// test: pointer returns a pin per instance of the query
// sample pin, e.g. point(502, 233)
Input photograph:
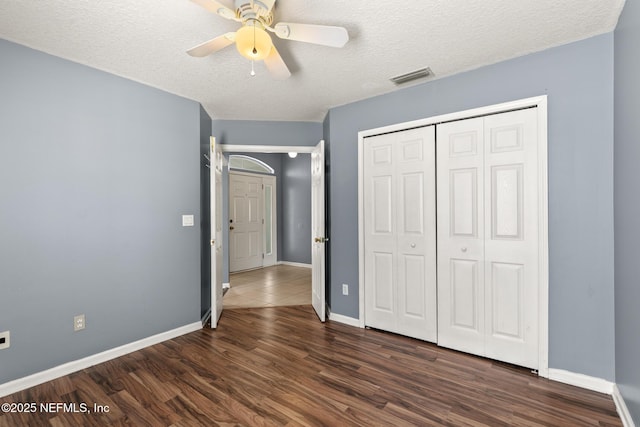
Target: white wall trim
point(580, 380)
point(86, 362)
point(621, 407)
point(229, 148)
point(351, 321)
point(295, 264)
point(543, 244)
point(458, 115)
point(543, 239)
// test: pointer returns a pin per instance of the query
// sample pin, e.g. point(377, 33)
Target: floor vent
point(413, 75)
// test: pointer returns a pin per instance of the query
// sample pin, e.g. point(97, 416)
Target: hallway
point(279, 285)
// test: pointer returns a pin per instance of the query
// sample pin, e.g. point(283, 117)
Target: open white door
point(318, 231)
point(215, 164)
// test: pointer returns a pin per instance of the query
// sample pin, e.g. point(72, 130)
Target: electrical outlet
point(345, 289)
point(78, 322)
point(5, 341)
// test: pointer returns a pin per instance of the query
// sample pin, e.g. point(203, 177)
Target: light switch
point(5, 341)
point(187, 221)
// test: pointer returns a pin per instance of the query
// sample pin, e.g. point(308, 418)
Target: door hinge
point(263, 256)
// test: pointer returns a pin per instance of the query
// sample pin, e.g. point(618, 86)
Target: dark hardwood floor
point(281, 366)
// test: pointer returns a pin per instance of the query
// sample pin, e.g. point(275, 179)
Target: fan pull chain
point(253, 73)
point(255, 52)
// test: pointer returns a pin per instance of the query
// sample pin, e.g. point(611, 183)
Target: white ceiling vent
point(413, 75)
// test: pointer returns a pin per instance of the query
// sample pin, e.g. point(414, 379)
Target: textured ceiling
point(146, 40)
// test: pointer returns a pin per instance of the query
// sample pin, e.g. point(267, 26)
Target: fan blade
point(276, 65)
point(213, 45)
point(317, 34)
point(217, 7)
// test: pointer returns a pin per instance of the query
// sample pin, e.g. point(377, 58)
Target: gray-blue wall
point(627, 206)
point(253, 132)
point(95, 173)
point(296, 209)
point(578, 78)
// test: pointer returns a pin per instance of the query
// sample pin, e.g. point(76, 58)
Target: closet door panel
point(416, 237)
point(380, 229)
point(463, 202)
point(383, 293)
point(464, 301)
point(511, 248)
point(460, 243)
point(400, 235)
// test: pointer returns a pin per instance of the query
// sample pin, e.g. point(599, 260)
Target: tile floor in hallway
point(274, 286)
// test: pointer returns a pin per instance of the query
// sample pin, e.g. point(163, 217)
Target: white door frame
point(277, 149)
point(543, 241)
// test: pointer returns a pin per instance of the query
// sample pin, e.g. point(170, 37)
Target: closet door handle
point(464, 249)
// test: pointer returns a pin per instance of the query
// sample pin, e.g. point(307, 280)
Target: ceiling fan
point(252, 39)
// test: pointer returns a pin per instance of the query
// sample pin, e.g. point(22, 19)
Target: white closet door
point(511, 241)
point(460, 152)
point(380, 233)
point(488, 236)
point(400, 266)
point(245, 222)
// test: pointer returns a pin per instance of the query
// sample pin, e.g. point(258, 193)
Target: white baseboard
point(344, 319)
point(294, 264)
point(621, 407)
point(86, 362)
point(583, 381)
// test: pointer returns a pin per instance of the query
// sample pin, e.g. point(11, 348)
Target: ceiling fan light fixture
point(253, 42)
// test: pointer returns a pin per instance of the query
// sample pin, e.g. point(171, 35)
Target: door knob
point(413, 245)
point(464, 249)
point(231, 227)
